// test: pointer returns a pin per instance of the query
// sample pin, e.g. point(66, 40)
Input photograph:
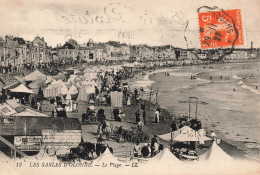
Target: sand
point(234, 114)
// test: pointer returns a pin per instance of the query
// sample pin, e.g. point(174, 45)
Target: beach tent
point(185, 134)
point(164, 157)
point(215, 154)
point(60, 76)
point(90, 89)
point(64, 90)
point(116, 99)
point(82, 96)
point(22, 89)
point(68, 96)
point(107, 158)
point(36, 75)
point(73, 90)
point(52, 91)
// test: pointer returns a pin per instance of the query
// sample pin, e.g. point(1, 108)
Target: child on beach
point(137, 116)
point(157, 115)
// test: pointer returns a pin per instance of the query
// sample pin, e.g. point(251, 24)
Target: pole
point(11, 152)
point(14, 155)
point(157, 95)
point(189, 108)
point(150, 94)
point(196, 109)
point(171, 136)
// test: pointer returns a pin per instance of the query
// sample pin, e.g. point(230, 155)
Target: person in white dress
point(157, 114)
point(129, 100)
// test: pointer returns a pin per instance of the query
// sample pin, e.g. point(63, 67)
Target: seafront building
point(16, 53)
point(24, 130)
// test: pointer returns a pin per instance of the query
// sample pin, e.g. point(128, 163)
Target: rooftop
point(34, 125)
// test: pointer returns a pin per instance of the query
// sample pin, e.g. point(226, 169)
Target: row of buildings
point(15, 52)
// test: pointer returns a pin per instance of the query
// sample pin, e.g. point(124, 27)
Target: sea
point(228, 99)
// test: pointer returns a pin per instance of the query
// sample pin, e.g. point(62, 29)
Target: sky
point(160, 22)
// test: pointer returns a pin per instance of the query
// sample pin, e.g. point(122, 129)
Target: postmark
point(221, 28)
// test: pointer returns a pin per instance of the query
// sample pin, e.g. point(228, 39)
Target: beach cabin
point(25, 130)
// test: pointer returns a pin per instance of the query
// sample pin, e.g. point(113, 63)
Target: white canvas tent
point(185, 134)
point(165, 156)
point(215, 154)
point(106, 157)
point(73, 90)
point(64, 90)
point(82, 95)
point(22, 89)
point(68, 96)
point(35, 76)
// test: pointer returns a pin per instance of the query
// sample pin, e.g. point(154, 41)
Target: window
point(66, 47)
point(62, 53)
point(91, 56)
point(70, 52)
point(66, 53)
point(84, 52)
point(6, 119)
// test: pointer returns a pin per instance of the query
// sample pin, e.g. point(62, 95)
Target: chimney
point(252, 45)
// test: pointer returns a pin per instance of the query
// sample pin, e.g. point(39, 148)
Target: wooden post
point(150, 94)
point(14, 155)
point(156, 96)
point(196, 109)
point(171, 136)
point(189, 109)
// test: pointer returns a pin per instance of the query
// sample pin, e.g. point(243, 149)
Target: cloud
point(135, 21)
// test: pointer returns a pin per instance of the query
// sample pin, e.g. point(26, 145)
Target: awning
point(185, 134)
point(22, 89)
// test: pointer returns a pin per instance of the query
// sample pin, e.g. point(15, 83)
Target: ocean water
point(233, 106)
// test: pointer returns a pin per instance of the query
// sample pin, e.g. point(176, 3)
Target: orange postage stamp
point(220, 29)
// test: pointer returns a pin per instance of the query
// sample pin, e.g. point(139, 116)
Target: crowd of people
point(147, 149)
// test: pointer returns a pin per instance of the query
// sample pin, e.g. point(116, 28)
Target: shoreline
point(229, 144)
point(151, 128)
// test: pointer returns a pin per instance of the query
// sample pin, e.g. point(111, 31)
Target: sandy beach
point(233, 115)
point(233, 100)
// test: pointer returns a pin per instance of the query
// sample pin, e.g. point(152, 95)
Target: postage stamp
point(220, 29)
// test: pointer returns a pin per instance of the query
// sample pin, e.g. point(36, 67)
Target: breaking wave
point(251, 89)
